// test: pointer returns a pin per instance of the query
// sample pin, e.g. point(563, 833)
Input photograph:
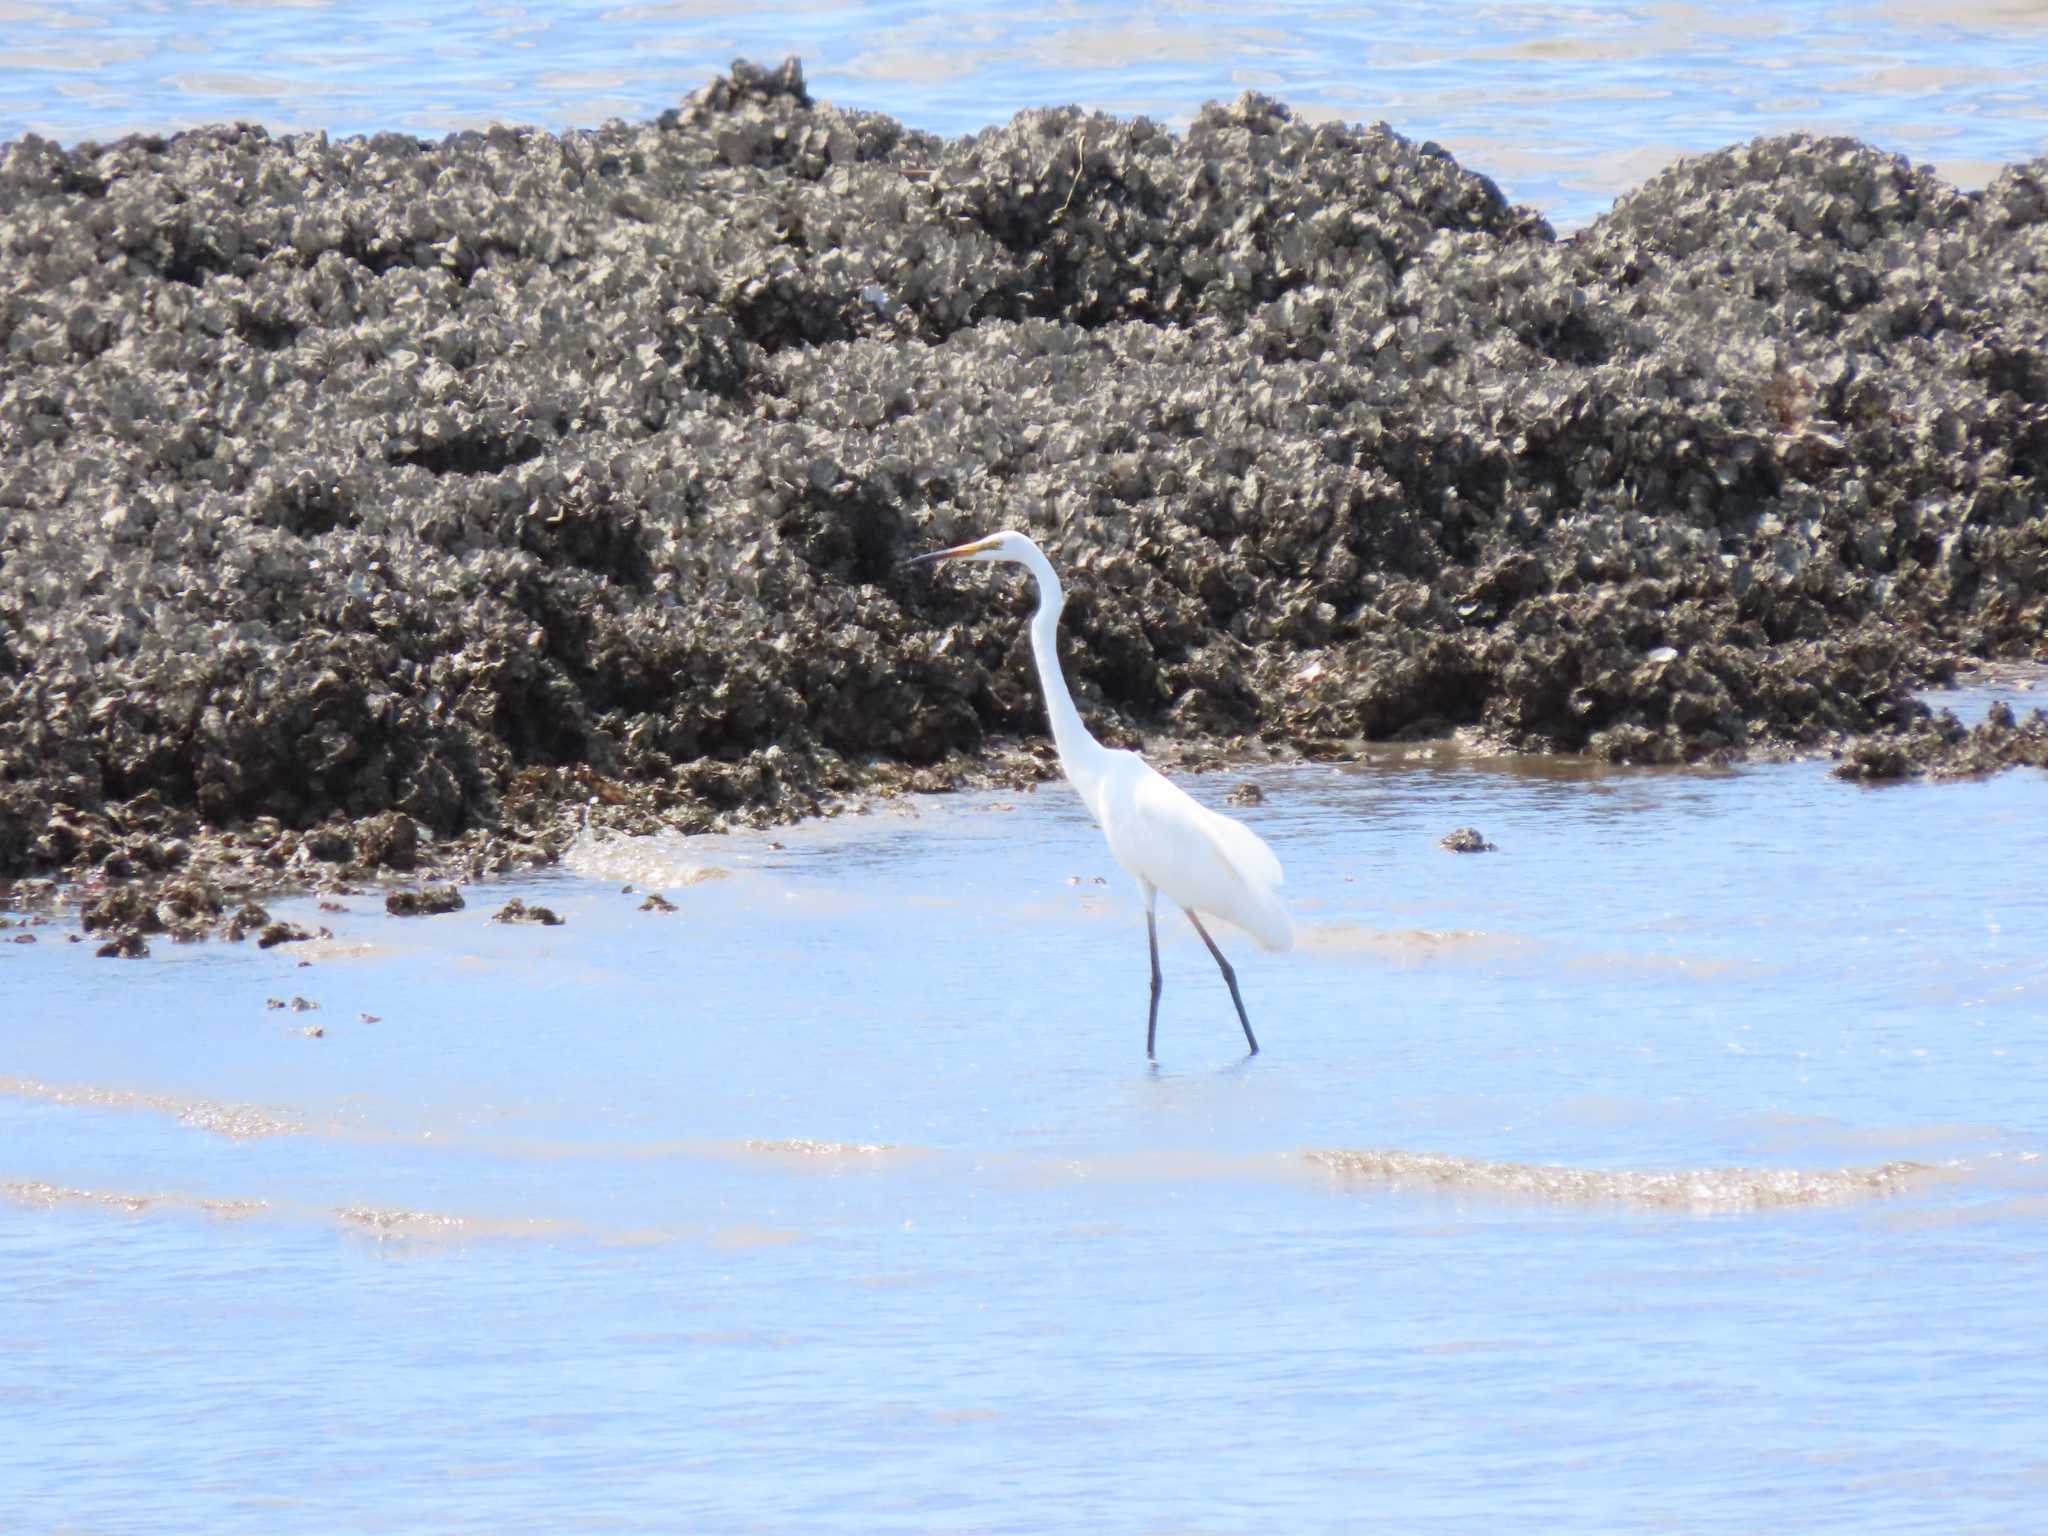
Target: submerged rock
point(1940, 747)
point(1466, 840)
point(426, 901)
point(251, 919)
point(517, 911)
point(353, 489)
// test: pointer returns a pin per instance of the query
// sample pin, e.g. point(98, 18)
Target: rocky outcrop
point(356, 490)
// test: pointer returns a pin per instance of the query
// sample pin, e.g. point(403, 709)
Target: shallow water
point(1566, 106)
point(1676, 1166)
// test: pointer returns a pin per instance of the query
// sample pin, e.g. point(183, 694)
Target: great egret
point(1202, 861)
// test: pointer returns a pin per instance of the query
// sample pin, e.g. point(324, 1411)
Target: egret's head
point(996, 548)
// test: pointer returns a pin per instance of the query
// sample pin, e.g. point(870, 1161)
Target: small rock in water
point(281, 933)
point(517, 911)
point(23, 938)
point(303, 1005)
point(371, 1018)
point(273, 1002)
point(1467, 840)
point(313, 1032)
point(1246, 793)
point(656, 902)
point(127, 945)
point(426, 901)
point(247, 921)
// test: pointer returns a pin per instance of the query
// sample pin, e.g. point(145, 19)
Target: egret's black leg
point(1230, 980)
point(1152, 1025)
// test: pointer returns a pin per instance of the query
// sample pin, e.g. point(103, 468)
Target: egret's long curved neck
point(1080, 752)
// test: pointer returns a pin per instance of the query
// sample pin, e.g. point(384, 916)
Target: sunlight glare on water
point(1676, 1164)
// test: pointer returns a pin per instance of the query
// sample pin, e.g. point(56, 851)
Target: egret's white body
point(1204, 862)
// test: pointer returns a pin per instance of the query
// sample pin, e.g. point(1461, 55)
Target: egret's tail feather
point(1269, 925)
point(1280, 939)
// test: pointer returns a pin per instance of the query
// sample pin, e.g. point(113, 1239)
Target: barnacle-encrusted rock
point(352, 488)
point(1942, 747)
point(425, 901)
point(517, 911)
point(1466, 840)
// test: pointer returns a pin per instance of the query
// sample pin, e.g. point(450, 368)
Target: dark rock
point(124, 945)
point(281, 933)
point(1466, 840)
point(323, 519)
point(332, 845)
point(425, 901)
point(1246, 793)
point(1940, 747)
point(517, 911)
point(390, 841)
point(188, 909)
point(249, 920)
point(124, 907)
point(656, 902)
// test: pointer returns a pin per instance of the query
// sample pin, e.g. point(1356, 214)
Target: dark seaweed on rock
point(447, 484)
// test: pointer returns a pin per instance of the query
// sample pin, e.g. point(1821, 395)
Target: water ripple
point(1688, 1189)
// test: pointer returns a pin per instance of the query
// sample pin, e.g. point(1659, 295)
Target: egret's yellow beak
point(951, 554)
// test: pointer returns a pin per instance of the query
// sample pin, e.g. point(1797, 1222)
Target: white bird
point(1205, 862)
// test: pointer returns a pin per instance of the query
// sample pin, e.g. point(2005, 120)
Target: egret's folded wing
point(1246, 849)
point(1172, 813)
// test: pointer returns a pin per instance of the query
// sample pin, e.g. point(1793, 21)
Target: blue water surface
point(843, 1198)
point(1566, 106)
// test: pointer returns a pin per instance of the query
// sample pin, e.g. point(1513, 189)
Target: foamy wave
point(35, 1192)
point(1692, 1189)
point(803, 1153)
point(380, 1222)
point(384, 1222)
point(664, 861)
point(237, 1122)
